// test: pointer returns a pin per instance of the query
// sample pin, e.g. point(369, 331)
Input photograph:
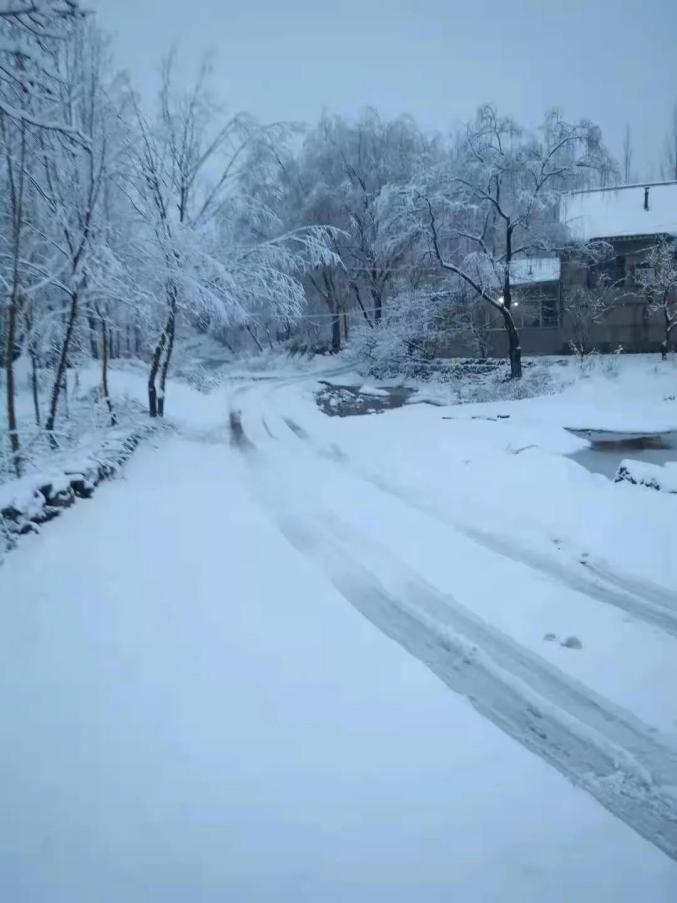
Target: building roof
point(648, 208)
point(530, 270)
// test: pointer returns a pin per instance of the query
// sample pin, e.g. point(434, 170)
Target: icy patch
point(366, 389)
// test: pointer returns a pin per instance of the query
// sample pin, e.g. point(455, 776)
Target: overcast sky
point(613, 61)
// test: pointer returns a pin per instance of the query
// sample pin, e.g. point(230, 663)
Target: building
point(629, 219)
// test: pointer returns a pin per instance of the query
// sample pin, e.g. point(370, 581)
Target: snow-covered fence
point(35, 499)
point(653, 476)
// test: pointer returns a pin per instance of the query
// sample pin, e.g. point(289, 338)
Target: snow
point(193, 708)
point(226, 730)
point(618, 212)
point(620, 393)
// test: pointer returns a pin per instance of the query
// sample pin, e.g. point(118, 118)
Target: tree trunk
point(253, 335)
point(93, 344)
point(34, 384)
point(345, 326)
point(171, 331)
point(358, 298)
point(378, 305)
point(227, 344)
point(61, 369)
point(64, 388)
point(665, 344)
point(10, 340)
point(336, 331)
point(514, 349)
point(154, 367)
point(16, 194)
point(104, 373)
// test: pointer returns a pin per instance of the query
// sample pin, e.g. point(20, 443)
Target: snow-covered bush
point(412, 330)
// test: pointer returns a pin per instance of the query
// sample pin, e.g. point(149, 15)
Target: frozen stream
point(608, 449)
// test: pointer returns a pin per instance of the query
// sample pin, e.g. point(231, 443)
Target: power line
point(291, 318)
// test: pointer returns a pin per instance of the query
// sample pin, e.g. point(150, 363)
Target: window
point(536, 307)
point(609, 272)
point(550, 312)
point(642, 273)
point(540, 307)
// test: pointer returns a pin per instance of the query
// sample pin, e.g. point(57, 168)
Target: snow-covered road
point(194, 706)
point(330, 513)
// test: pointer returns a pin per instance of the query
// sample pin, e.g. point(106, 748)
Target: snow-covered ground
point(335, 658)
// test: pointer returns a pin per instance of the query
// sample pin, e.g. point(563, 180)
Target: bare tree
point(658, 278)
point(24, 11)
point(32, 36)
point(206, 255)
point(585, 307)
point(173, 194)
point(16, 182)
point(74, 173)
point(352, 175)
point(498, 201)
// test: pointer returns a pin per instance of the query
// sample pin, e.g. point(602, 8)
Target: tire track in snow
point(238, 437)
point(651, 604)
point(641, 598)
point(297, 430)
point(658, 614)
point(599, 746)
point(649, 591)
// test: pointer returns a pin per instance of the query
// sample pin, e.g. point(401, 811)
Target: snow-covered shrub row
point(30, 501)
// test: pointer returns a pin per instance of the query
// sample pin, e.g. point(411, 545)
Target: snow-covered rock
point(654, 476)
point(39, 497)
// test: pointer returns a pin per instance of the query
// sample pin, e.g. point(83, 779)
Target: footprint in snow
point(571, 642)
